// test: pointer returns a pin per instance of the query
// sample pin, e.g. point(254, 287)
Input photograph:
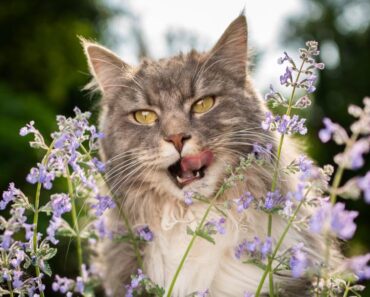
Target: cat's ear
point(106, 67)
point(231, 49)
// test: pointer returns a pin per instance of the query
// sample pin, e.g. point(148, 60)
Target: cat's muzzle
point(190, 168)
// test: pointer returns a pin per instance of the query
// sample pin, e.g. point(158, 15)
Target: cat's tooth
point(179, 179)
point(198, 174)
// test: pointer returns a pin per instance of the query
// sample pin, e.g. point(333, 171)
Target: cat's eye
point(203, 105)
point(145, 117)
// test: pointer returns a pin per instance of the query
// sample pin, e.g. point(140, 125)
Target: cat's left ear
point(231, 49)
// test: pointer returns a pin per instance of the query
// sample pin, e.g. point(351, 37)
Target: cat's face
point(174, 124)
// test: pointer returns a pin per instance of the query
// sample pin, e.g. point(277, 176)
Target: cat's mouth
point(190, 168)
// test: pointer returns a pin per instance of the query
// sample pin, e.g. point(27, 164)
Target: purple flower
point(145, 233)
point(285, 124)
point(17, 282)
point(219, 225)
point(255, 248)
point(335, 219)
point(80, 286)
point(62, 284)
point(298, 261)
point(332, 130)
point(358, 265)
point(355, 154)
point(41, 175)
point(310, 83)
point(60, 203)
point(19, 258)
point(304, 163)
point(271, 94)
point(364, 185)
point(9, 196)
point(6, 240)
point(274, 200)
point(29, 128)
point(98, 164)
point(136, 280)
point(244, 201)
point(104, 203)
point(266, 124)
point(287, 76)
point(247, 294)
point(188, 197)
point(55, 222)
point(262, 152)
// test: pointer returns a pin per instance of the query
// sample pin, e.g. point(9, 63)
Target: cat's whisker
point(128, 152)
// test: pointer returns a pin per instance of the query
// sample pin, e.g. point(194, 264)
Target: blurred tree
point(343, 30)
point(40, 69)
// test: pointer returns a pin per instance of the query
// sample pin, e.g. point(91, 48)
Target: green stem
point(10, 288)
point(191, 243)
point(346, 291)
point(36, 213)
point(75, 221)
point(125, 219)
point(279, 243)
point(276, 170)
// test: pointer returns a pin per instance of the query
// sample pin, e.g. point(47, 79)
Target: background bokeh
point(42, 66)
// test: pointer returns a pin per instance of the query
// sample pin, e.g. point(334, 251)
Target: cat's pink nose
point(178, 140)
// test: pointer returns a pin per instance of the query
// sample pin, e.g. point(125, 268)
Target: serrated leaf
point(205, 235)
point(50, 253)
point(66, 230)
point(256, 262)
point(189, 231)
point(46, 268)
point(46, 208)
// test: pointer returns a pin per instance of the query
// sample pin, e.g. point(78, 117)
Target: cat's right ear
point(106, 67)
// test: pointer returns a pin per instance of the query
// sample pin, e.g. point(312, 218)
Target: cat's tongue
point(190, 164)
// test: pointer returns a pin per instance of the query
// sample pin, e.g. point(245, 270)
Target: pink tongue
point(195, 162)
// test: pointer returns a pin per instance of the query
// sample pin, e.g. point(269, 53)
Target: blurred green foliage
point(343, 30)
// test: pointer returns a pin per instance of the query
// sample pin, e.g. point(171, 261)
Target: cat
point(172, 126)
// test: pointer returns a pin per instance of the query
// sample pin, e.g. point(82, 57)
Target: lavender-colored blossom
point(55, 222)
point(356, 152)
point(188, 197)
point(244, 201)
point(303, 102)
point(358, 265)
point(310, 81)
point(285, 124)
point(287, 76)
point(274, 200)
point(272, 94)
point(62, 284)
point(254, 248)
point(9, 196)
point(17, 282)
point(335, 219)
point(40, 174)
point(60, 204)
point(98, 164)
point(104, 203)
point(304, 163)
point(29, 128)
point(298, 262)
point(332, 130)
point(135, 283)
point(262, 152)
point(145, 233)
point(19, 258)
point(80, 285)
point(364, 185)
point(247, 294)
point(219, 225)
point(7, 239)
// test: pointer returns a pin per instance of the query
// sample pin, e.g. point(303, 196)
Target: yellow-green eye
point(145, 117)
point(203, 105)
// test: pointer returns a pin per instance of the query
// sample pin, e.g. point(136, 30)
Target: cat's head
point(174, 124)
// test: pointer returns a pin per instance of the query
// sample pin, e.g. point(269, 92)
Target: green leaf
point(50, 253)
point(257, 263)
point(205, 235)
point(46, 208)
point(46, 268)
point(66, 230)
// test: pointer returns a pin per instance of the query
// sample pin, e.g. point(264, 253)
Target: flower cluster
point(284, 124)
point(255, 248)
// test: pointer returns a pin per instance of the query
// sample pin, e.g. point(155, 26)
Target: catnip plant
point(70, 156)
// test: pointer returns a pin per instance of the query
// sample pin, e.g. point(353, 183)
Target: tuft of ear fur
point(231, 49)
point(105, 66)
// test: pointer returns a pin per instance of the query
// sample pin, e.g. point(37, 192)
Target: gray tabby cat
point(171, 126)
